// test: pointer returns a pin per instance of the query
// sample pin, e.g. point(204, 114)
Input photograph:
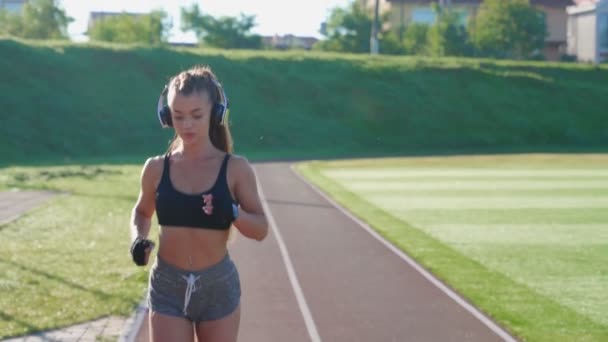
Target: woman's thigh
point(165, 328)
point(225, 329)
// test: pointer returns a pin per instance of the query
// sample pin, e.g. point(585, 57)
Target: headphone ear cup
point(165, 116)
point(162, 110)
point(218, 113)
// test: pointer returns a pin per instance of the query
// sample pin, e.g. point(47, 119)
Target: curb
point(134, 323)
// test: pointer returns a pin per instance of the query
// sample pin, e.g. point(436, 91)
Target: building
point(588, 30)
point(289, 41)
point(403, 12)
point(13, 6)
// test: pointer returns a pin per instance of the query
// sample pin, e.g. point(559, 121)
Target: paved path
point(14, 203)
point(321, 276)
point(104, 329)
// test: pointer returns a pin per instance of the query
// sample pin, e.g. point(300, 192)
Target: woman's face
point(190, 115)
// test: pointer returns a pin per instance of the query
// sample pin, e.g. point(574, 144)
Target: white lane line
point(401, 172)
point(310, 323)
point(459, 300)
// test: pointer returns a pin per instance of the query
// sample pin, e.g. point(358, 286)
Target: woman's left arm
point(251, 220)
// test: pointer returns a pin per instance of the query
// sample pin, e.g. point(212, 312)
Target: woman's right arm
point(145, 206)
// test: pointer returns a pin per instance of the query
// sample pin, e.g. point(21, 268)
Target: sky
point(298, 17)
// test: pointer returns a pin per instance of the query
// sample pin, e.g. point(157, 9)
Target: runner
point(198, 190)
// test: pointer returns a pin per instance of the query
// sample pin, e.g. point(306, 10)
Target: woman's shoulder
point(238, 161)
point(153, 167)
point(155, 162)
point(239, 165)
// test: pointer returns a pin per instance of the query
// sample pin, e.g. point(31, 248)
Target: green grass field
point(524, 237)
point(68, 261)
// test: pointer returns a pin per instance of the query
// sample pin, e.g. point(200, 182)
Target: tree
point(39, 19)
point(392, 42)
point(415, 38)
point(347, 29)
point(224, 32)
point(447, 36)
point(152, 28)
point(508, 29)
point(10, 24)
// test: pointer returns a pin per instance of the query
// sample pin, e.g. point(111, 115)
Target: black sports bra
point(175, 208)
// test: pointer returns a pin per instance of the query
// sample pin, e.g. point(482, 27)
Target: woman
point(198, 190)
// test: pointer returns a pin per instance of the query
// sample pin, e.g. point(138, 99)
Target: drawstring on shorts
point(191, 279)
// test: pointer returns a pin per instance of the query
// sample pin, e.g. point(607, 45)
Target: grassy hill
point(63, 102)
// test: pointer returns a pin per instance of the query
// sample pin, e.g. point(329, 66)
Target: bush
point(508, 29)
point(447, 37)
point(415, 38)
point(568, 58)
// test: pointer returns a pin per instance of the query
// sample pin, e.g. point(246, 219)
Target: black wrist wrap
point(138, 250)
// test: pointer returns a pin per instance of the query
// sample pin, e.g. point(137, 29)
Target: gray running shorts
point(204, 295)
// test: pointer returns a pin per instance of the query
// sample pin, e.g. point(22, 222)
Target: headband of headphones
point(220, 111)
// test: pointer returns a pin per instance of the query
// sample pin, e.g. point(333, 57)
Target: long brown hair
point(196, 80)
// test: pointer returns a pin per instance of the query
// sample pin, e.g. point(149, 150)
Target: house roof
point(290, 40)
point(97, 15)
point(548, 3)
point(580, 2)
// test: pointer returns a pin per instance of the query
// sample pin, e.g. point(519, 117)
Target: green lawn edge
point(526, 314)
point(70, 253)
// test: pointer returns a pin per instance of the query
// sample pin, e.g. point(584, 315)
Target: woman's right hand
point(140, 251)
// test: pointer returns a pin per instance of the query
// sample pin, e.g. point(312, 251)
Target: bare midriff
point(192, 249)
